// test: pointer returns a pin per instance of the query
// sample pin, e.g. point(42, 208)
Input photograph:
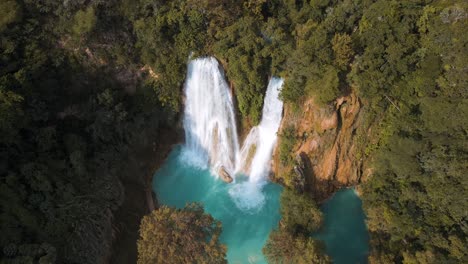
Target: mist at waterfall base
point(244, 231)
point(249, 207)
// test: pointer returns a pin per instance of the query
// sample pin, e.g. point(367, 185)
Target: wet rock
point(298, 180)
point(225, 176)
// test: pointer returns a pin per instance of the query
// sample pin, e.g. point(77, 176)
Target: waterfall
point(258, 146)
point(209, 120)
point(211, 133)
point(255, 155)
point(264, 135)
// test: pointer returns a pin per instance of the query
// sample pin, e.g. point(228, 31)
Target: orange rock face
point(326, 145)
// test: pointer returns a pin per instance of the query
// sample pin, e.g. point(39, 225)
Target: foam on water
point(193, 158)
point(262, 139)
point(245, 229)
point(247, 196)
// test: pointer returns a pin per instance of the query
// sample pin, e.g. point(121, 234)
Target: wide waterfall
point(210, 127)
point(209, 121)
point(211, 132)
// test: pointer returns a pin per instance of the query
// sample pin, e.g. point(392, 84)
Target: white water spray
point(265, 133)
point(209, 122)
point(211, 133)
point(258, 146)
point(257, 150)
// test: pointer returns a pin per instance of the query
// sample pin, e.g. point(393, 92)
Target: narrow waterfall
point(264, 135)
point(255, 155)
point(209, 120)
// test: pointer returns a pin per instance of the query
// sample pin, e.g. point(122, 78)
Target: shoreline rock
point(225, 176)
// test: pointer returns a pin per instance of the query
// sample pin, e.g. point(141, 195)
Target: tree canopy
point(187, 235)
point(84, 82)
point(292, 242)
point(283, 247)
point(299, 212)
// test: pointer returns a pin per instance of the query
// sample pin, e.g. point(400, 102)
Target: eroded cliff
point(326, 153)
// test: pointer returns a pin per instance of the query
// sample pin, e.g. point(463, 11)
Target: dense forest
point(83, 84)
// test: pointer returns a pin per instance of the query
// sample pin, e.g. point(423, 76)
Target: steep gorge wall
point(327, 153)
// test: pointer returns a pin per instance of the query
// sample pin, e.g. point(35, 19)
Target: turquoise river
point(245, 231)
point(248, 207)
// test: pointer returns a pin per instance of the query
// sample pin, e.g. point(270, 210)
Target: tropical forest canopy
point(82, 83)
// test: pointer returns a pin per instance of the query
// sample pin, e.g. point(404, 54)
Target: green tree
point(10, 113)
point(325, 87)
point(10, 12)
point(84, 21)
point(283, 247)
point(166, 37)
point(287, 141)
point(186, 235)
point(341, 44)
point(242, 46)
point(299, 212)
point(414, 198)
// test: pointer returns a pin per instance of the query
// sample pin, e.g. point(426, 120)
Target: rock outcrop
point(328, 154)
point(225, 176)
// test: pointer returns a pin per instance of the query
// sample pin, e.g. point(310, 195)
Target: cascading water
point(257, 151)
point(247, 208)
point(247, 153)
point(209, 122)
point(262, 138)
point(211, 133)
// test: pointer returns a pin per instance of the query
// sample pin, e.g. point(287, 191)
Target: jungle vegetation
point(185, 235)
point(81, 80)
point(292, 242)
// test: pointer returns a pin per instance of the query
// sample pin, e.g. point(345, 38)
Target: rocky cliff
point(326, 152)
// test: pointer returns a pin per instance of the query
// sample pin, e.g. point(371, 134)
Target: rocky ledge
point(225, 176)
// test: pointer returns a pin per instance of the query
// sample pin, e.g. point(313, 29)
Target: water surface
point(182, 179)
point(345, 232)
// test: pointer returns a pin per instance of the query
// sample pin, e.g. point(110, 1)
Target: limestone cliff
point(326, 153)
